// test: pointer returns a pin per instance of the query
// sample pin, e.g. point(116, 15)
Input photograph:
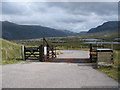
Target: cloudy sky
point(73, 16)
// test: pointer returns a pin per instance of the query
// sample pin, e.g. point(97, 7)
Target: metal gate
point(41, 53)
point(99, 54)
point(93, 52)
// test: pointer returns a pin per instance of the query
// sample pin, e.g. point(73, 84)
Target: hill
point(83, 32)
point(10, 50)
point(111, 27)
point(12, 31)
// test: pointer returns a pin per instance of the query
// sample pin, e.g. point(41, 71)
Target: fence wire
point(11, 53)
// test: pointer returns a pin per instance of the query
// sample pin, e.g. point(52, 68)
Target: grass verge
point(113, 71)
point(10, 62)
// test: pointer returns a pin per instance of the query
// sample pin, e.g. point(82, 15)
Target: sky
point(73, 16)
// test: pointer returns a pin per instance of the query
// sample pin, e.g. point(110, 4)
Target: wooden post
point(97, 45)
point(112, 57)
point(41, 53)
point(101, 45)
point(55, 51)
point(112, 46)
point(96, 60)
point(81, 46)
point(23, 53)
point(47, 51)
point(90, 53)
point(52, 52)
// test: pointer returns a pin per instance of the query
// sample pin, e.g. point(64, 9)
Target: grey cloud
point(86, 7)
point(61, 15)
point(11, 8)
point(15, 8)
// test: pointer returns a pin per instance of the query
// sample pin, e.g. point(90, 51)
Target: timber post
point(41, 54)
point(23, 52)
point(48, 51)
point(53, 52)
point(90, 53)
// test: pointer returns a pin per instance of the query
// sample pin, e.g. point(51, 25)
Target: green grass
point(102, 35)
point(10, 52)
point(73, 42)
point(10, 62)
point(114, 70)
point(116, 57)
point(111, 72)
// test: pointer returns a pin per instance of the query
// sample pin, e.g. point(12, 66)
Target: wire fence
point(11, 53)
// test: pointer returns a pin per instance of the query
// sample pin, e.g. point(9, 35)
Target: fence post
point(52, 52)
point(81, 46)
point(48, 51)
point(96, 60)
point(55, 51)
point(6, 54)
point(90, 53)
point(112, 57)
point(41, 53)
point(112, 46)
point(23, 52)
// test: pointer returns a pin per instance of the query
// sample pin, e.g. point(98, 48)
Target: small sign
point(92, 53)
point(45, 50)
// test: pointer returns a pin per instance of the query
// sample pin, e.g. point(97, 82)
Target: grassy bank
point(11, 52)
point(113, 71)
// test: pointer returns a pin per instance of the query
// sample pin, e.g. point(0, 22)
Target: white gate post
point(23, 52)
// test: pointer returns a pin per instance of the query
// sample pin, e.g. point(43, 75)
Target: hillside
point(111, 27)
point(12, 31)
point(10, 50)
point(83, 32)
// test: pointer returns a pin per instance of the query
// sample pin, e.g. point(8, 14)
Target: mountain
point(83, 32)
point(12, 31)
point(110, 26)
point(69, 32)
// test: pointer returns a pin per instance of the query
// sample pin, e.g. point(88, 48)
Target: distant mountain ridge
point(110, 26)
point(12, 31)
point(83, 32)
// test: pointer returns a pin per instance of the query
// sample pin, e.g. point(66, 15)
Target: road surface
point(54, 75)
point(74, 54)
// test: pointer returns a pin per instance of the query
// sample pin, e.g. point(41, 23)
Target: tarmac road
point(54, 75)
point(74, 54)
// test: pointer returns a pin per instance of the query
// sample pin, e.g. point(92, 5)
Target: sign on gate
point(45, 50)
